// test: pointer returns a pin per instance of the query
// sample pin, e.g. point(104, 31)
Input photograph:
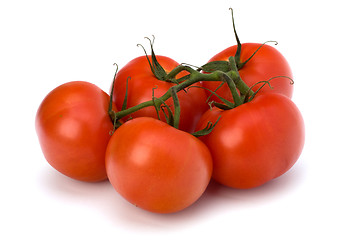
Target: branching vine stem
point(227, 72)
point(193, 77)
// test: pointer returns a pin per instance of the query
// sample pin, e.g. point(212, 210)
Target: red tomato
point(142, 84)
point(73, 127)
point(255, 142)
point(157, 167)
point(266, 63)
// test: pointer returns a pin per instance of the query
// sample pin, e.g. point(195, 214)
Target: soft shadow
point(103, 197)
point(63, 189)
point(56, 183)
point(271, 190)
point(123, 212)
point(217, 198)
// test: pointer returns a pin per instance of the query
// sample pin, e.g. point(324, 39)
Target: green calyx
point(226, 72)
point(205, 131)
point(156, 68)
point(225, 65)
point(193, 77)
point(241, 94)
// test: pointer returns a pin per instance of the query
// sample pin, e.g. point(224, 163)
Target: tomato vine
point(231, 120)
point(226, 72)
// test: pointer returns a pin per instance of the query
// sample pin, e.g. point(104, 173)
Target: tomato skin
point(266, 63)
point(142, 85)
point(157, 167)
point(255, 142)
point(73, 128)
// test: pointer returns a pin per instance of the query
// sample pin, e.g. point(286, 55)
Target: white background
point(46, 43)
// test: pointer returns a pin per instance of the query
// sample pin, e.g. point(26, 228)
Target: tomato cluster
point(165, 129)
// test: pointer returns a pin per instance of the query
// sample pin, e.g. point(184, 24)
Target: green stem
point(233, 89)
point(195, 77)
point(238, 50)
point(176, 108)
point(180, 68)
point(111, 112)
point(112, 88)
point(240, 84)
point(232, 78)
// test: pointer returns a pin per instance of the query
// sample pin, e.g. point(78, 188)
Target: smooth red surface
point(73, 128)
point(255, 142)
point(157, 167)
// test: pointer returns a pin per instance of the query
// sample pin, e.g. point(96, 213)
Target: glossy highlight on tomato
point(255, 142)
point(73, 127)
point(157, 167)
point(165, 130)
point(140, 84)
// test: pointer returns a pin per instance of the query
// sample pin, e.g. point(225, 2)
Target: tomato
point(265, 64)
point(157, 167)
point(254, 142)
point(143, 83)
point(73, 125)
